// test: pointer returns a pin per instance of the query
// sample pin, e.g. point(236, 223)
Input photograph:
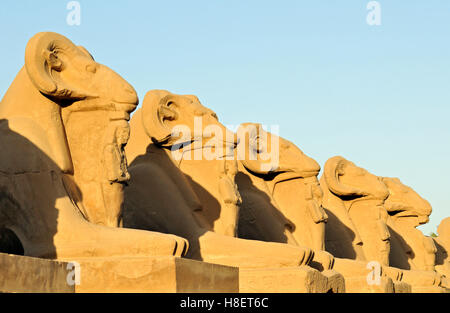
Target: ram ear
point(334, 168)
point(157, 109)
point(42, 59)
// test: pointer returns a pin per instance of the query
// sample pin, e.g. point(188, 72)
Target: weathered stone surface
point(429, 289)
point(174, 192)
point(402, 287)
point(26, 275)
point(442, 243)
point(353, 200)
point(281, 196)
point(63, 127)
point(410, 249)
point(66, 196)
point(356, 276)
point(120, 274)
point(336, 281)
point(160, 274)
point(303, 279)
point(358, 284)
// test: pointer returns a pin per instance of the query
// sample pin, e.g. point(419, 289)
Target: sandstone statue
point(356, 231)
point(354, 202)
point(64, 124)
point(172, 191)
point(281, 202)
point(442, 243)
point(410, 249)
point(362, 222)
point(193, 189)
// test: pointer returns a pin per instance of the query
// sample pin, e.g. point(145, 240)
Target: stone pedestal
point(336, 281)
point(356, 273)
point(425, 281)
point(303, 279)
point(358, 284)
point(24, 274)
point(159, 274)
point(401, 287)
point(117, 274)
point(430, 289)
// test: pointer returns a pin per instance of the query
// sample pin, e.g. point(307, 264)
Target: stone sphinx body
point(171, 191)
point(357, 221)
point(281, 202)
point(442, 243)
point(371, 218)
point(356, 230)
point(64, 121)
point(66, 191)
point(410, 249)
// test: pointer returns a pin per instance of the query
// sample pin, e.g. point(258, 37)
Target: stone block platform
point(108, 275)
point(303, 279)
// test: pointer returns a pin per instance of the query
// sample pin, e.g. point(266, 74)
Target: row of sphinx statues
point(80, 177)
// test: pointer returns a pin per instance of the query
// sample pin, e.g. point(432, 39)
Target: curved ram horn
point(41, 58)
point(154, 112)
point(333, 168)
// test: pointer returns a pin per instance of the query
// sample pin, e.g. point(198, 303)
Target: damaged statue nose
point(123, 93)
point(423, 219)
point(128, 95)
point(127, 98)
point(301, 164)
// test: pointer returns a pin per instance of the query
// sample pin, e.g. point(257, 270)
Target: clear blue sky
point(377, 95)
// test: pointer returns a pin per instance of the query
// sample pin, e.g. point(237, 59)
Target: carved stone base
point(356, 273)
point(162, 275)
point(358, 284)
point(119, 274)
point(402, 287)
point(425, 281)
point(24, 274)
point(336, 282)
point(430, 289)
point(303, 279)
